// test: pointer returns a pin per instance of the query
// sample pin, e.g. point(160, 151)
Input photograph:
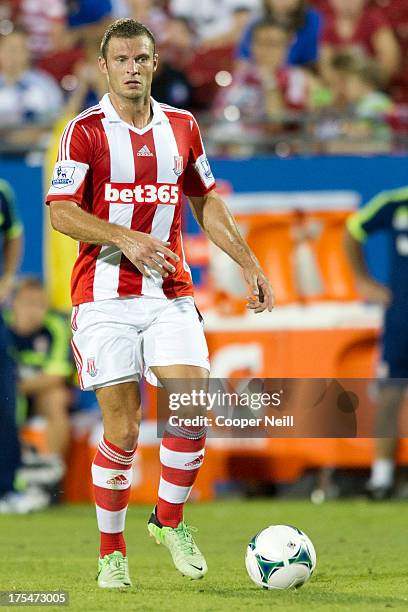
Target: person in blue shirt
point(88, 12)
point(296, 15)
point(387, 212)
point(10, 254)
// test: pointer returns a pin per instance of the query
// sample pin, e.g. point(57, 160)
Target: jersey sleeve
point(71, 168)
point(198, 178)
point(10, 224)
point(377, 215)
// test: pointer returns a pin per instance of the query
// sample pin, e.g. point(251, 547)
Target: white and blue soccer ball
point(280, 557)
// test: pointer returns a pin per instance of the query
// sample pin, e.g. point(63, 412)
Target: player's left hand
point(261, 293)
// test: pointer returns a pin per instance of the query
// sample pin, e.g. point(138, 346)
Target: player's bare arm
point(218, 223)
point(369, 288)
point(143, 250)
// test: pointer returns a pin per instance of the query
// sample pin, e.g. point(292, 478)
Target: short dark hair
point(125, 28)
point(295, 20)
point(365, 68)
point(268, 22)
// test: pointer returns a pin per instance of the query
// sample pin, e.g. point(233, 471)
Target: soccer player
point(388, 212)
point(117, 188)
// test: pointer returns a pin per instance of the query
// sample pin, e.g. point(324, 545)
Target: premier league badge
point(63, 176)
point(178, 165)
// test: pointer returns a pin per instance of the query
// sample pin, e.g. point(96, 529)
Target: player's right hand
point(374, 292)
point(147, 253)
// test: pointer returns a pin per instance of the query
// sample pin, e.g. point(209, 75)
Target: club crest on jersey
point(91, 367)
point(178, 165)
point(63, 177)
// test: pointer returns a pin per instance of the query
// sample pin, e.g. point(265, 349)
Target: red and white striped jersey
point(135, 178)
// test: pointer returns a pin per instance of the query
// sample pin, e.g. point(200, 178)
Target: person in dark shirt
point(41, 344)
point(171, 86)
point(10, 455)
point(387, 212)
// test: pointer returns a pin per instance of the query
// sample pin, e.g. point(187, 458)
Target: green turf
point(362, 558)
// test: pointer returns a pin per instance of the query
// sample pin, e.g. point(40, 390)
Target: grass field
point(362, 558)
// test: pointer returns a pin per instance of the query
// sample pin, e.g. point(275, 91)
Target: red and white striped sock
point(181, 459)
point(112, 477)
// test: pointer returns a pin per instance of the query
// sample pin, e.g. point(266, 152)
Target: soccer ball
point(280, 557)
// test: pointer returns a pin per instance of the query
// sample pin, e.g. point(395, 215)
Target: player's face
point(129, 66)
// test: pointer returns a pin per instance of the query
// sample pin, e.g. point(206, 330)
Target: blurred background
point(303, 107)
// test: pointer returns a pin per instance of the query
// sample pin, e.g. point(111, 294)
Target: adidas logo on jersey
point(144, 152)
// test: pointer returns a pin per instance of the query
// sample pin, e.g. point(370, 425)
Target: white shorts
point(119, 340)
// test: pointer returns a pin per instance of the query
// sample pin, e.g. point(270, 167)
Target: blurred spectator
point(362, 85)
point(171, 86)
point(148, 13)
point(367, 129)
point(90, 83)
point(397, 14)
point(120, 9)
point(45, 23)
point(26, 94)
point(41, 343)
point(88, 12)
point(266, 86)
point(364, 28)
point(178, 49)
point(296, 15)
point(216, 23)
point(87, 20)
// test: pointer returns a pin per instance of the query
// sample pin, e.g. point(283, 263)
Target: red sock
point(111, 542)
point(181, 460)
point(112, 477)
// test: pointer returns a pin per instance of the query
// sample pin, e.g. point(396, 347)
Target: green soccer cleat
point(114, 572)
point(186, 556)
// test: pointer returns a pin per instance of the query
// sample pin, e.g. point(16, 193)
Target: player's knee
point(132, 436)
point(125, 437)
